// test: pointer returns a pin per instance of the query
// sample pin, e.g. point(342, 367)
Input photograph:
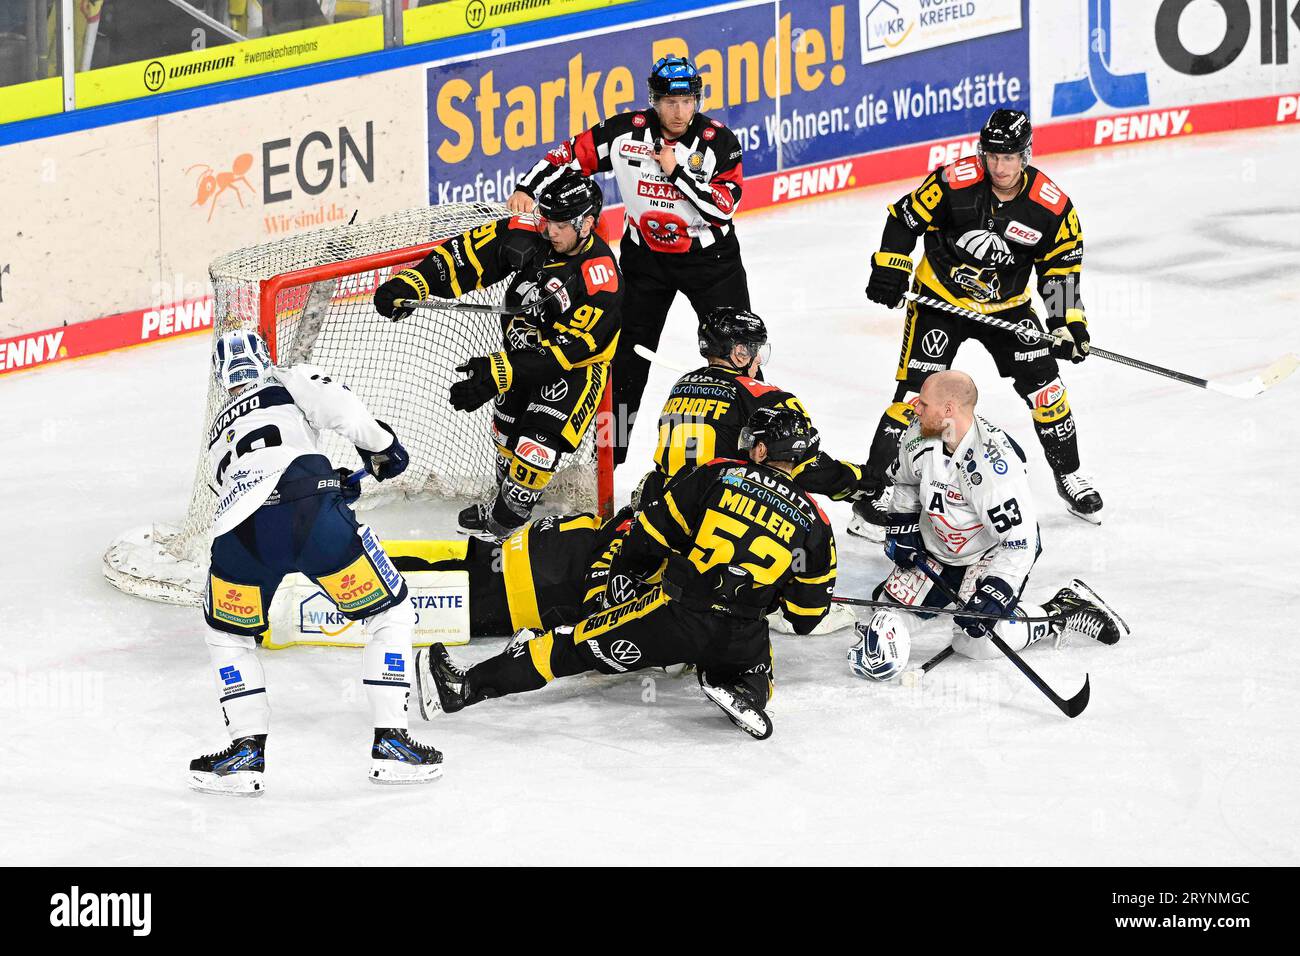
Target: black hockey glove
point(351, 490)
point(864, 486)
point(890, 273)
point(992, 596)
point(489, 376)
point(407, 284)
point(1071, 335)
point(390, 462)
point(903, 544)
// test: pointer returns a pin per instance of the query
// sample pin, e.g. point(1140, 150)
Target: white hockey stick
point(1250, 388)
point(654, 358)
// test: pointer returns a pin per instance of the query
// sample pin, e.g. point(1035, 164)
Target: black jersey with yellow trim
point(1039, 226)
point(746, 515)
point(703, 417)
point(580, 296)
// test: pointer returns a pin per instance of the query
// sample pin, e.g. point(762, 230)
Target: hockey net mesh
point(311, 296)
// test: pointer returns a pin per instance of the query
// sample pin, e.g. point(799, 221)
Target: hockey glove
point(890, 272)
point(407, 284)
point(903, 543)
point(351, 490)
point(489, 376)
point(992, 596)
point(390, 462)
point(1071, 336)
point(863, 487)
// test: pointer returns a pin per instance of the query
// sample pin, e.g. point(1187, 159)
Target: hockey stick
point(1071, 708)
point(654, 358)
point(356, 476)
point(453, 305)
point(1253, 386)
point(981, 615)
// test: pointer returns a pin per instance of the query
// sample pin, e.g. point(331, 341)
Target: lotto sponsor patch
point(356, 587)
point(237, 604)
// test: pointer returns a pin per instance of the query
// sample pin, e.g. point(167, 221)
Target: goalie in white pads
point(961, 501)
point(282, 507)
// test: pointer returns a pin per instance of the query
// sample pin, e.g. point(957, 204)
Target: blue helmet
point(240, 358)
point(674, 76)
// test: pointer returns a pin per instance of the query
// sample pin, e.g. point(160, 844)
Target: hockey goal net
point(310, 296)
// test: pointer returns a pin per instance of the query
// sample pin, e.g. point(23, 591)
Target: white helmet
point(240, 358)
point(883, 647)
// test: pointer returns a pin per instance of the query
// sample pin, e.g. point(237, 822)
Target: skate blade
point(395, 772)
point(241, 783)
point(865, 529)
point(1081, 588)
point(1094, 518)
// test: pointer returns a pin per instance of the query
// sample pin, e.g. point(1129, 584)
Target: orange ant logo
point(213, 184)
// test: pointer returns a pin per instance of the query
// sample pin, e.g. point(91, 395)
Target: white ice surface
point(1187, 754)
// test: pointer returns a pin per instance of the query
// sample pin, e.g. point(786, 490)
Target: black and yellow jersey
point(702, 420)
point(549, 572)
point(1035, 231)
point(736, 513)
point(580, 297)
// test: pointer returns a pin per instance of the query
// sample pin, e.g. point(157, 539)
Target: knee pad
point(239, 642)
point(1048, 402)
point(394, 624)
point(883, 648)
point(534, 460)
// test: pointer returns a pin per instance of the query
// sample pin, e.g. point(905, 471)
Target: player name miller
point(103, 909)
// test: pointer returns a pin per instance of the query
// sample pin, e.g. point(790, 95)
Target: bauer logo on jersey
point(237, 604)
point(1019, 232)
point(356, 587)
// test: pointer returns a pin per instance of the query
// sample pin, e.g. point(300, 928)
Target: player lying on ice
point(961, 502)
point(282, 507)
point(724, 544)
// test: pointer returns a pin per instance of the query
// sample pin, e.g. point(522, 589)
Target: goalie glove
point(890, 274)
point(407, 284)
point(489, 376)
point(390, 462)
point(1071, 334)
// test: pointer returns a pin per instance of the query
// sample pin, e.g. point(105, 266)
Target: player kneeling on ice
point(282, 507)
point(723, 544)
point(961, 503)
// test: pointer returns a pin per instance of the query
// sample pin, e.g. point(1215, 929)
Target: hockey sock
point(386, 664)
point(884, 446)
point(241, 683)
point(1020, 634)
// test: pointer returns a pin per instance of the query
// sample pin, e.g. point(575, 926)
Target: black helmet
point(725, 327)
point(569, 198)
point(788, 435)
point(674, 76)
point(1007, 131)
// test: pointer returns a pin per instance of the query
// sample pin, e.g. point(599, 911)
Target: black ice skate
point(396, 758)
point(474, 520)
point(870, 516)
point(1080, 497)
point(238, 770)
point(1087, 615)
point(737, 701)
point(441, 685)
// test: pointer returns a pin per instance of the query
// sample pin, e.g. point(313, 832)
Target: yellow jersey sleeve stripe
point(451, 270)
point(676, 513)
point(652, 530)
point(1063, 247)
point(808, 611)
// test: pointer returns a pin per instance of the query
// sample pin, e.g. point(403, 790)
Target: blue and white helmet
point(240, 358)
point(883, 647)
point(674, 76)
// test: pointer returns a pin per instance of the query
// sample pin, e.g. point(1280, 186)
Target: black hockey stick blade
point(1072, 707)
point(938, 659)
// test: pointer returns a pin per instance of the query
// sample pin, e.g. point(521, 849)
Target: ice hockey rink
point(1186, 754)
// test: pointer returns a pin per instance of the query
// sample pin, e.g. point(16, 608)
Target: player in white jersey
point(961, 502)
point(281, 508)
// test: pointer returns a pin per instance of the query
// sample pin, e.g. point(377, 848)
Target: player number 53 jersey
point(970, 503)
point(259, 432)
